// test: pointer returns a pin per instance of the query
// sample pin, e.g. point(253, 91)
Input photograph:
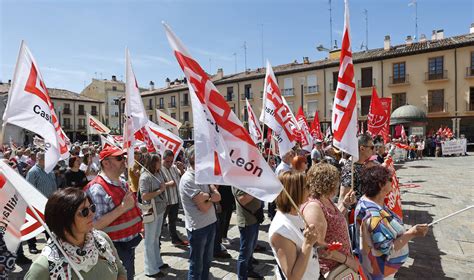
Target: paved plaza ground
point(432, 188)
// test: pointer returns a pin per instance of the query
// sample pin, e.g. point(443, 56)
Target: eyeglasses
point(85, 212)
point(119, 158)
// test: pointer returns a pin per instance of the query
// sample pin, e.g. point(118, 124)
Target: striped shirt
point(44, 182)
point(172, 194)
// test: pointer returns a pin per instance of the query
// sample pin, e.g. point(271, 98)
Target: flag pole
point(450, 215)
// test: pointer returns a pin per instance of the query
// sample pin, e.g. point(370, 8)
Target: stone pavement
point(434, 188)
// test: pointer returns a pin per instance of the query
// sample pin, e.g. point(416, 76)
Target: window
point(114, 88)
point(82, 124)
point(365, 105)
point(173, 101)
point(436, 100)
point(94, 110)
point(366, 77)
point(150, 104)
point(247, 92)
point(246, 114)
point(288, 87)
point(150, 117)
point(186, 116)
point(185, 99)
point(230, 93)
point(312, 84)
point(435, 68)
point(398, 100)
point(81, 110)
point(471, 99)
point(67, 108)
point(116, 114)
point(335, 75)
point(398, 73)
point(162, 103)
point(233, 108)
point(67, 123)
point(173, 115)
point(312, 108)
point(471, 69)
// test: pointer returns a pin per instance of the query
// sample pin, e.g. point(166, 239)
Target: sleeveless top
point(336, 231)
point(291, 227)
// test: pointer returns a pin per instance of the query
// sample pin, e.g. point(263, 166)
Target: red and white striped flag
point(305, 137)
point(255, 130)
point(277, 115)
point(168, 122)
point(224, 151)
point(94, 126)
point(29, 106)
point(344, 113)
point(19, 223)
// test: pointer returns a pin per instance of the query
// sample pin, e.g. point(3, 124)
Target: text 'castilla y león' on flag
point(224, 151)
point(344, 112)
point(29, 106)
point(277, 115)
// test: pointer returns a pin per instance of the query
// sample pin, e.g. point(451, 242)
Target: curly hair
point(322, 179)
point(373, 179)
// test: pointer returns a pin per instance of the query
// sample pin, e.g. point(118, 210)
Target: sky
point(74, 41)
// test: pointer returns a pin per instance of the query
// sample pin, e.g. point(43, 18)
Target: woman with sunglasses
point(384, 241)
point(68, 214)
point(151, 189)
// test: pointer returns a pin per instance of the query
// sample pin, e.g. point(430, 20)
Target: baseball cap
point(111, 151)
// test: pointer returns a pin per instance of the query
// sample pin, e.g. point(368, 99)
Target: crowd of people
point(332, 220)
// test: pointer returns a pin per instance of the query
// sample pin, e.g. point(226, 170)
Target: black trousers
point(172, 214)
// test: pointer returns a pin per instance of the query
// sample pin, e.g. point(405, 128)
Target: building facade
point(435, 75)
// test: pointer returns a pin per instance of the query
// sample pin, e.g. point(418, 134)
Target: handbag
point(147, 209)
point(342, 272)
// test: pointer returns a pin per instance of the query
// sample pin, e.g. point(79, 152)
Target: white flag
point(255, 130)
point(94, 126)
point(18, 222)
point(344, 113)
point(29, 106)
point(168, 122)
point(164, 139)
point(224, 152)
point(277, 115)
point(135, 113)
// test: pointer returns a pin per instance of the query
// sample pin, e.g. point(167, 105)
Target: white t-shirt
point(291, 227)
point(94, 168)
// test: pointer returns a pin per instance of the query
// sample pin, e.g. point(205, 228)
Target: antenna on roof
point(263, 60)
point(414, 3)
point(366, 13)
point(330, 25)
point(245, 55)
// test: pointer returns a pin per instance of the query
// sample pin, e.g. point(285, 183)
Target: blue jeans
point(126, 252)
point(201, 252)
point(153, 259)
point(248, 240)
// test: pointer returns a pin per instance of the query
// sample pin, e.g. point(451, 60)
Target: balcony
point(288, 92)
point(248, 95)
point(365, 83)
point(398, 81)
point(172, 105)
point(185, 103)
point(470, 106)
point(66, 126)
point(66, 111)
point(332, 87)
point(470, 71)
point(94, 113)
point(311, 89)
point(81, 127)
point(438, 108)
point(436, 76)
point(149, 107)
point(230, 97)
point(160, 106)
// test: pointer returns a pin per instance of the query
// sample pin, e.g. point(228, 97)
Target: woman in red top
point(323, 182)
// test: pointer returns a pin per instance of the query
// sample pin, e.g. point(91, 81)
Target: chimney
point(305, 60)
point(409, 40)
point(471, 30)
point(386, 43)
point(177, 81)
point(422, 38)
point(152, 85)
point(167, 82)
point(220, 74)
point(433, 35)
point(114, 78)
point(9, 82)
point(440, 34)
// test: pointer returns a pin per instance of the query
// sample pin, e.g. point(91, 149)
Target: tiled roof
point(359, 57)
point(56, 93)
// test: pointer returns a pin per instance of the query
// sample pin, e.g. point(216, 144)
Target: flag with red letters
point(315, 130)
point(255, 130)
point(378, 117)
point(344, 112)
point(94, 126)
point(393, 200)
point(305, 137)
point(29, 106)
point(168, 122)
point(224, 151)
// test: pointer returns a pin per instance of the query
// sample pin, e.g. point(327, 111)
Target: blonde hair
point(322, 179)
point(295, 184)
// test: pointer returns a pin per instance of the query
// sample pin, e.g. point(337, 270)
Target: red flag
point(344, 113)
point(403, 133)
point(378, 117)
point(386, 104)
point(316, 128)
point(393, 199)
point(305, 137)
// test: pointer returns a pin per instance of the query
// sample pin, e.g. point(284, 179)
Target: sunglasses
point(85, 212)
point(119, 158)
